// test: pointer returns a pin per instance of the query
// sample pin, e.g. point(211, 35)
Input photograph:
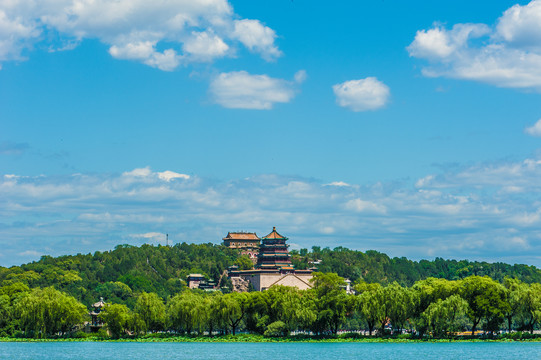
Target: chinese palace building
point(247, 242)
point(273, 267)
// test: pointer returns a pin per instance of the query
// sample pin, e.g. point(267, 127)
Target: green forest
point(145, 291)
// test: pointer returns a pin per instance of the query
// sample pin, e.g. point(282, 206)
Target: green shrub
point(276, 329)
point(80, 335)
point(102, 334)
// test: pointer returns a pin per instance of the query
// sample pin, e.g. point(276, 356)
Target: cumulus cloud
point(338, 183)
point(156, 237)
point(362, 95)
point(205, 46)
point(535, 129)
point(489, 211)
point(257, 38)
point(146, 172)
point(241, 90)
point(140, 172)
point(440, 44)
point(189, 31)
point(171, 175)
point(506, 55)
point(521, 25)
point(364, 206)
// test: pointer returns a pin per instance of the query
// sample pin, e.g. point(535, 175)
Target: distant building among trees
point(273, 266)
point(247, 242)
point(199, 281)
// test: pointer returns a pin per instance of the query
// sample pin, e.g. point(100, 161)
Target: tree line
point(431, 307)
point(120, 274)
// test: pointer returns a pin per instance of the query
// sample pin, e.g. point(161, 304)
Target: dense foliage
point(121, 274)
point(430, 308)
point(374, 267)
point(127, 270)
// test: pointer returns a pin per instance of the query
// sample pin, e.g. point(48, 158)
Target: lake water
point(267, 351)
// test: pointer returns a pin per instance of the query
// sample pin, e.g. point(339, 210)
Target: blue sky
point(412, 128)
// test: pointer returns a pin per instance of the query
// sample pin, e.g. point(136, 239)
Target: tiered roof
point(274, 235)
point(100, 304)
point(241, 236)
point(273, 253)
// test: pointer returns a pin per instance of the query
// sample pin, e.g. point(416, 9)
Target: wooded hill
point(119, 274)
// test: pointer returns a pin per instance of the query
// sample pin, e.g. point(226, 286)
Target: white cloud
point(473, 212)
point(256, 37)
point(338, 183)
point(424, 181)
point(134, 29)
point(145, 52)
point(133, 51)
point(521, 25)
point(438, 43)
point(365, 206)
point(535, 129)
point(205, 46)
point(156, 237)
point(171, 175)
point(30, 253)
point(520, 242)
point(506, 55)
point(300, 76)
point(139, 172)
point(362, 94)
point(241, 90)
point(14, 36)
point(327, 230)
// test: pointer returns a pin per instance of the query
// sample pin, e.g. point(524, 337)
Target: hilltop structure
point(273, 267)
point(247, 242)
point(273, 253)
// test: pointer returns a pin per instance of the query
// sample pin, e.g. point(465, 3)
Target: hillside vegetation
point(120, 274)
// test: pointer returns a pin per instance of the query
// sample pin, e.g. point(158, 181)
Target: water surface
point(268, 351)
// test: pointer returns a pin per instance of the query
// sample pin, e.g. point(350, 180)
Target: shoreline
point(244, 338)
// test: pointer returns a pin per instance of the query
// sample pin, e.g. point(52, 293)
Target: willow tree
point(370, 304)
point(186, 312)
point(331, 302)
point(443, 317)
point(115, 317)
point(427, 292)
point(211, 307)
point(486, 300)
point(530, 313)
point(399, 304)
point(9, 296)
point(293, 307)
point(45, 312)
point(515, 296)
point(6, 311)
point(257, 316)
point(231, 309)
point(151, 310)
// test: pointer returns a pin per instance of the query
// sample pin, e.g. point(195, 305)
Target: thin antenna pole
point(167, 239)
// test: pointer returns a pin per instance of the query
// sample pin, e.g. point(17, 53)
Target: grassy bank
point(251, 338)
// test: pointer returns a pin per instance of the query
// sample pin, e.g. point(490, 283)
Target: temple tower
point(273, 253)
